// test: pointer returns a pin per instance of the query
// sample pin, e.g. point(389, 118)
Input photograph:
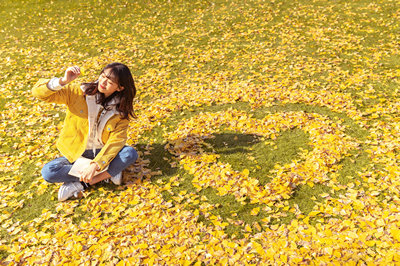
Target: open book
point(81, 164)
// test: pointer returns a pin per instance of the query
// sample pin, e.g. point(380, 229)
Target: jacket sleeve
point(41, 91)
point(114, 144)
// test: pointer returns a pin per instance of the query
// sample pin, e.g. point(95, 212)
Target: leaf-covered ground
point(268, 132)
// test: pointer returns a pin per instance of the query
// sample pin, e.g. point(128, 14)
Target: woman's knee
point(129, 154)
point(47, 173)
point(51, 171)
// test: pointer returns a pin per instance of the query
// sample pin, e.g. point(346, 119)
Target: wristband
point(54, 84)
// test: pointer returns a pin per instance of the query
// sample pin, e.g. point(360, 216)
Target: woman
point(95, 127)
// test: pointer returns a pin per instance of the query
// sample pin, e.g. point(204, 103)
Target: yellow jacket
point(74, 134)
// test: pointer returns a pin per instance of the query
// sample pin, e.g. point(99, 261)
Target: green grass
point(2, 103)
point(198, 42)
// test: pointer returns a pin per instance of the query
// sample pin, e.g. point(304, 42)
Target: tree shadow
point(229, 143)
point(159, 158)
point(156, 158)
point(241, 150)
point(153, 158)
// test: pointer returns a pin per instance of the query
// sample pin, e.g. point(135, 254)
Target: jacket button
point(81, 111)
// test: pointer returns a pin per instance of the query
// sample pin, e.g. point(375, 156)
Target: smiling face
point(108, 84)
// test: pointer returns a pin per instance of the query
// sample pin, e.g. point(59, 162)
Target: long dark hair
point(120, 74)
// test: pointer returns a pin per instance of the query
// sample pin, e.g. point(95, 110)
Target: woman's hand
point(70, 74)
point(88, 174)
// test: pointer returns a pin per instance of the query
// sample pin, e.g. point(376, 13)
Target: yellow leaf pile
point(329, 143)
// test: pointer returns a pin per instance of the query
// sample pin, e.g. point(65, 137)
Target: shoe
point(117, 179)
point(68, 190)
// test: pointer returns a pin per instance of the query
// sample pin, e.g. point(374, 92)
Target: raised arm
point(52, 90)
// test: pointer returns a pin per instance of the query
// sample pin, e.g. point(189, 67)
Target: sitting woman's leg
point(57, 170)
point(124, 158)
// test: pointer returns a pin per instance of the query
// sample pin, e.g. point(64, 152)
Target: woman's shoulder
point(77, 88)
point(74, 90)
point(118, 120)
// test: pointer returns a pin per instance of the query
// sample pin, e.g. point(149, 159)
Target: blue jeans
point(57, 170)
